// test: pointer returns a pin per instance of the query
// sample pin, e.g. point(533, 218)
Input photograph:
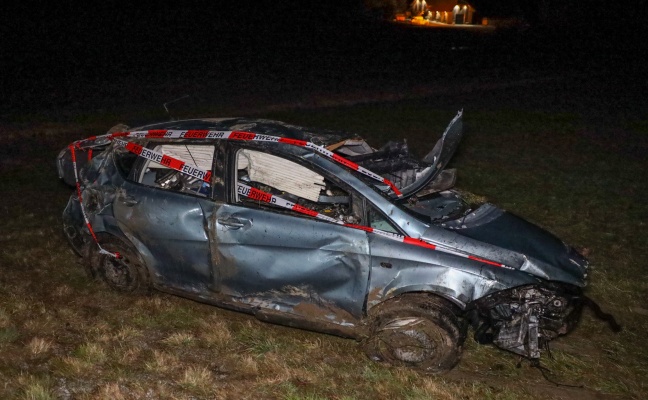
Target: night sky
point(97, 54)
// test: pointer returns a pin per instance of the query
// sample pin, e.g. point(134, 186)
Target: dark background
point(556, 130)
point(67, 57)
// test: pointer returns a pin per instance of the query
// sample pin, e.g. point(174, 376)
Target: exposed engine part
point(524, 319)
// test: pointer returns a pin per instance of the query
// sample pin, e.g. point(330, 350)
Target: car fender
point(107, 225)
point(399, 268)
point(145, 254)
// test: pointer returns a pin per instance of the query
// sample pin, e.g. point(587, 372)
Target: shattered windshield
point(437, 208)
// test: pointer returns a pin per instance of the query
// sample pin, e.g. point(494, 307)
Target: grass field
point(572, 164)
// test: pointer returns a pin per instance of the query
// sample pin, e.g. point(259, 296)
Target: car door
point(166, 214)
point(275, 258)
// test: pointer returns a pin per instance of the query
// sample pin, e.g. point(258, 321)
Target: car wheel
point(124, 274)
point(417, 330)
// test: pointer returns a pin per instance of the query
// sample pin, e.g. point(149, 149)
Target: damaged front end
point(525, 319)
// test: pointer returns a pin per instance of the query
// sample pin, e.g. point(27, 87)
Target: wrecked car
point(321, 231)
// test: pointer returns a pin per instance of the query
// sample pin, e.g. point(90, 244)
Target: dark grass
point(578, 172)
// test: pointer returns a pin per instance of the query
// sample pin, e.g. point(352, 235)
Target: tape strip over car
point(244, 190)
point(259, 195)
point(163, 159)
point(246, 136)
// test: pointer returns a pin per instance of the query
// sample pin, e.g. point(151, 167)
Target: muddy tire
point(125, 274)
point(419, 331)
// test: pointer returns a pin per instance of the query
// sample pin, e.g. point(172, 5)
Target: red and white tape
point(245, 190)
point(243, 136)
point(83, 211)
point(259, 195)
point(167, 161)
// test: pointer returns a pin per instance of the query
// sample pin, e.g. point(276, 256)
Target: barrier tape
point(245, 190)
point(243, 136)
point(265, 197)
point(167, 161)
point(83, 211)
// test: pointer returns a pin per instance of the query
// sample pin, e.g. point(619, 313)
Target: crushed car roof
point(393, 165)
point(322, 137)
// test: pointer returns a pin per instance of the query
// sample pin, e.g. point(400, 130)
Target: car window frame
point(139, 164)
point(368, 205)
point(233, 178)
point(357, 199)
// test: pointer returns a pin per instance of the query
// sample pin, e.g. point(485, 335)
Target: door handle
point(233, 223)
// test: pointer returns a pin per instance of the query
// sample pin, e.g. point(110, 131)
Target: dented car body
point(318, 230)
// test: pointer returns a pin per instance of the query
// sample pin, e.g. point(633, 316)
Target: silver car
point(318, 230)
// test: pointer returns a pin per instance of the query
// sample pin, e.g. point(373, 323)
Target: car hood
point(494, 234)
point(438, 158)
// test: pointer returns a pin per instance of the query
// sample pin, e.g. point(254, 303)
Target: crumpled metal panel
point(73, 224)
point(494, 234)
point(272, 253)
point(398, 268)
point(172, 228)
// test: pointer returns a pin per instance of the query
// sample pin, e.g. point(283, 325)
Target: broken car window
point(293, 182)
point(124, 160)
point(378, 221)
point(160, 176)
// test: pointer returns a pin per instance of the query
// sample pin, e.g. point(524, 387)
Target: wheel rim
point(413, 346)
point(408, 343)
point(118, 272)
